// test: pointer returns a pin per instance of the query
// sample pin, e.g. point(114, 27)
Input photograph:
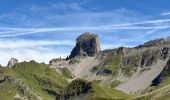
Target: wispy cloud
point(165, 13)
point(10, 32)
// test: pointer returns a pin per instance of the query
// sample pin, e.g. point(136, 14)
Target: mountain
point(138, 73)
point(30, 80)
point(130, 70)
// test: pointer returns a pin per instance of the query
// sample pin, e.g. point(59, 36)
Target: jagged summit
point(157, 42)
point(87, 44)
point(12, 62)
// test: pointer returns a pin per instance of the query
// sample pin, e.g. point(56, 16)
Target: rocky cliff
point(87, 44)
point(122, 68)
point(12, 62)
point(164, 74)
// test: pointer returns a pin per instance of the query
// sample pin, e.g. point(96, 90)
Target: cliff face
point(86, 45)
point(12, 62)
point(121, 66)
point(165, 73)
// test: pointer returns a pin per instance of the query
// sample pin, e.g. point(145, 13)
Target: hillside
point(30, 80)
point(80, 89)
point(130, 70)
point(138, 73)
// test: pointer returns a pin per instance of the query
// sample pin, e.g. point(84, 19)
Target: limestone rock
point(154, 42)
point(165, 73)
point(149, 57)
point(12, 62)
point(86, 45)
point(164, 53)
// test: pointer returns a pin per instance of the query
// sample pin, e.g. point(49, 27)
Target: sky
point(45, 29)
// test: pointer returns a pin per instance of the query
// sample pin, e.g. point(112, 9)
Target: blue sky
point(46, 29)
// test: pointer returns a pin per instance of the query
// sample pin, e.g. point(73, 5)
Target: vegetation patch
point(86, 90)
point(130, 64)
point(66, 73)
point(111, 63)
point(114, 83)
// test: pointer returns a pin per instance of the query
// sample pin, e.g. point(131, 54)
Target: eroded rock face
point(164, 53)
point(12, 62)
point(149, 57)
point(86, 45)
point(165, 73)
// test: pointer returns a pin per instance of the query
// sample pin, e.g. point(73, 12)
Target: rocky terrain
point(130, 70)
point(138, 73)
point(12, 62)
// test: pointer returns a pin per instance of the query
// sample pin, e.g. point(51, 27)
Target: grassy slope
point(100, 92)
point(111, 63)
point(95, 92)
point(164, 83)
point(7, 92)
point(37, 77)
point(66, 73)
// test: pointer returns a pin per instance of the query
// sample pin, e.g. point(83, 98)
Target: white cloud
point(29, 54)
point(16, 44)
point(32, 50)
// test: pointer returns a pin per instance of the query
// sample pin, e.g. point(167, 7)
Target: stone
point(165, 73)
point(164, 53)
point(104, 72)
point(12, 62)
point(149, 58)
point(87, 44)
point(155, 42)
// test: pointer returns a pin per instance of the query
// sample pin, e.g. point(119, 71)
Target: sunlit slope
point(84, 90)
point(31, 80)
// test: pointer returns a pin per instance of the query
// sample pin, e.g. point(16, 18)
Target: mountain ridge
point(122, 73)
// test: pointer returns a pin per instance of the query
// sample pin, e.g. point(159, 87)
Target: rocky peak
point(155, 42)
point(87, 44)
point(12, 62)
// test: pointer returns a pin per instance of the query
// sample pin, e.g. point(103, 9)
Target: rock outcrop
point(156, 43)
point(12, 62)
point(86, 45)
point(165, 73)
